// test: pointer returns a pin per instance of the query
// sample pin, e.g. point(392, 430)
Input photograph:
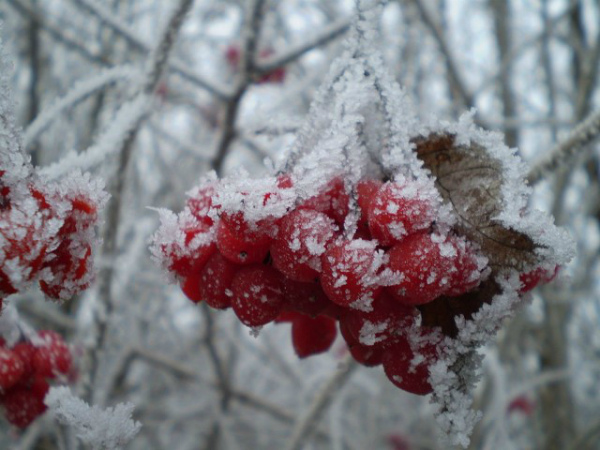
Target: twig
point(304, 424)
point(80, 92)
point(583, 135)
point(455, 76)
point(324, 36)
point(156, 66)
point(127, 33)
point(247, 68)
point(58, 33)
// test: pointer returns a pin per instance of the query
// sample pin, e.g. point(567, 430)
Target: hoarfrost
point(110, 429)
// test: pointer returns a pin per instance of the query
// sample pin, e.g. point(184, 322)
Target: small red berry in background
point(521, 404)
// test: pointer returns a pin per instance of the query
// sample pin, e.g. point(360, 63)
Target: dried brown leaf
point(471, 181)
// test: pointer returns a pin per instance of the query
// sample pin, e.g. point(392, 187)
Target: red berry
point(521, 404)
point(374, 328)
point(311, 336)
point(366, 191)
point(25, 351)
point(233, 56)
point(215, 281)
point(257, 295)
point(52, 356)
point(539, 275)
point(349, 274)
point(191, 287)
point(302, 239)
point(307, 298)
point(274, 76)
point(12, 368)
point(200, 203)
point(425, 271)
point(398, 364)
point(332, 201)
point(367, 356)
point(23, 404)
point(288, 316)
point(465, 272)
point(399, 209)
point(242, 248)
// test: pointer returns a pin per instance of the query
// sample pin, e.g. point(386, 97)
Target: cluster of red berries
point(233, 247)
point(233, 55)
point(261, 248)
point(46, 234)
point(25, 369)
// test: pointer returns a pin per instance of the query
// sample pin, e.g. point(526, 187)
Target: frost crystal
point(108, 429)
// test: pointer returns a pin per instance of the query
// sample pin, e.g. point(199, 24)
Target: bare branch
point(566, 151)
point(304, 424)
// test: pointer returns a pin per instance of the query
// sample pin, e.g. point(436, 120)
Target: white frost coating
point(555, 245)
point(126, 119)
point(101, 429)
point(80, 91)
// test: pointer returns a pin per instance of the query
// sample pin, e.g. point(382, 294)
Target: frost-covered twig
point(126, 32)
point(80, 92)
point(57, 32)
point(579, 139)
point(453, 71)
point(324, 36)
point(156, 66)
point(304, 424)
point(247, 67)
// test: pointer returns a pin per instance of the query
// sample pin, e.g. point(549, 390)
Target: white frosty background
point(528, 67)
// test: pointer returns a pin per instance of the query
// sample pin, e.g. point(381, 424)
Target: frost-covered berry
point(539, 275)
point(466, 268)
point(257, 295)
point(215, 281)
point(406, 371)
point(199, 202)
point(12, 368)
point(25, 351)
point(52, 356)
point(311, 336)
point(349, 273)
point(331, 201)
point(242, 248)
point(387, 319)
point(302, 239)
point(366, 191)
point(423, 267)
point(24, 404)
point(399, 209)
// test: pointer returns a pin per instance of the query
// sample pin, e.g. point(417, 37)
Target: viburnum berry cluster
point(47, 231)
point(263, 249)
point(412, 236)
point(25, 370)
